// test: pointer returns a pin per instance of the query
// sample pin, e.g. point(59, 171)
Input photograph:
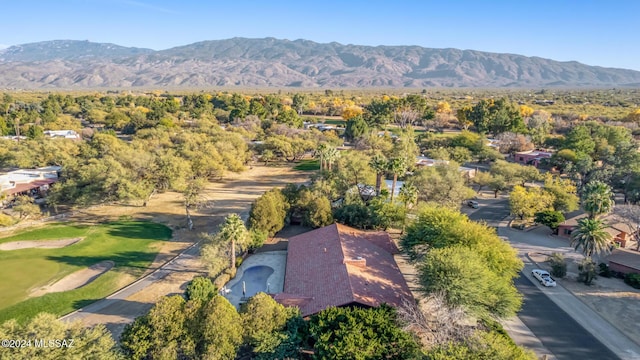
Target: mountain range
point(269, 62)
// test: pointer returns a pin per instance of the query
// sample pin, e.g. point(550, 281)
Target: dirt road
point(234, 194)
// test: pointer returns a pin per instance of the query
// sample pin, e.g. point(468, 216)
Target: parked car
point(473, 204)
point(544, 277)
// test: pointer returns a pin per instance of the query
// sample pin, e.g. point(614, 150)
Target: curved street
point(563, 325)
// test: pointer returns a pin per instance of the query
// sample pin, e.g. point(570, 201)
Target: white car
point(544, 277)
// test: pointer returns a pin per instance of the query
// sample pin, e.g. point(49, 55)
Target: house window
point(521, 158)
point(567, 231)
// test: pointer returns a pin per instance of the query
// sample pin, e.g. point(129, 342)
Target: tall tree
point(597, 199)
point(590, 235)
point(268, 212)
point(396, 166)
point(234, 232)
point(379, 165)
point(525, 203)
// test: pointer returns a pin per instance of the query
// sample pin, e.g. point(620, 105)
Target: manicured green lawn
point(308, 165)
point(335, 122)
point(131, 245)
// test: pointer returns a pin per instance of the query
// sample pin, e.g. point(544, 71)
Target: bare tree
point(406, 116)
point(434, 322)
point(630, 216)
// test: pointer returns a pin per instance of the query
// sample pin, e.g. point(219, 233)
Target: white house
point(64, 134)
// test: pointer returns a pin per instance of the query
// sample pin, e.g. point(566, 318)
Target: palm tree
point(597, 199)
point(590, 235)
point(396, 166)
point(235, 232)
point(408, 195)
point(331, 155)
point(321, 152)
point(379, 164)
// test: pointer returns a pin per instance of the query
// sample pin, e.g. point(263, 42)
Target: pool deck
point(277, 260)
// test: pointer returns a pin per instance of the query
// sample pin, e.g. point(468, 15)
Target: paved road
point(557, 331)
point(491, 211)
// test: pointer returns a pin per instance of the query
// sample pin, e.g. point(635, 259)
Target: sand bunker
point(78, 279)
point(41, 244)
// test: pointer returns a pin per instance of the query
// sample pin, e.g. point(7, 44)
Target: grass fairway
point(308, 165)
point(131, 245)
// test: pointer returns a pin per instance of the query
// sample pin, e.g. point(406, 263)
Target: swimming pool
point(255, 280)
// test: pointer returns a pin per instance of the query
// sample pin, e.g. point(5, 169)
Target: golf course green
point(131, 245)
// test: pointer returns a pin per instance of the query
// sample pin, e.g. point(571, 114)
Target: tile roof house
point(341, 266)
point(620, 232)
point(532, 157)
point(624, 261)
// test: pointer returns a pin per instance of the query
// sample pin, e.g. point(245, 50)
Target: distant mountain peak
point(271, 62)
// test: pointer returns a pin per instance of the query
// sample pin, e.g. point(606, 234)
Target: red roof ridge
point(351, 289)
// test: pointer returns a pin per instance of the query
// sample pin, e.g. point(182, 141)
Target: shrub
point(6, 220)
point(222, 280)
point(258, 237)
point(200, 288)
point(558, 265)
point(632, 280)
point(604, 270)
point(587, 270)
point(239, 262)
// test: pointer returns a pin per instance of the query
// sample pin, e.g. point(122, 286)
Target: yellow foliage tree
point(526, 111)
point(634, 116)
point(351, 112)
point(443, 107)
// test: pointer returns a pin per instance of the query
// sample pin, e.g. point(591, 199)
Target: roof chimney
point(357, 261)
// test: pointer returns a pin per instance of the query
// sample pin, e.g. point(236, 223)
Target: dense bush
point(633, 280)
point(558, 265)
point(200, 288)
point(483, 345)
point(604, 270)
point(587, 271)
point(461, 274)
point(268, 212)
point(363, 334)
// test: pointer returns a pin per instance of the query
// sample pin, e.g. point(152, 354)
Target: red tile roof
point(337, 265)
point(628, 258)
point(28, 186)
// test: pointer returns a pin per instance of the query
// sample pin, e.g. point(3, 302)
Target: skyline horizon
point(588, 32)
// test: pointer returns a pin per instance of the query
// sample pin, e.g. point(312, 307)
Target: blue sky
point(593, 32)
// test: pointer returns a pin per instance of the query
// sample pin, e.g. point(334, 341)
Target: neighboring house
point(532, 157)
point(493, 143)
point(34, 182)
point(63, 134)
point(341, 266)
point(620, 232)
point(624, 261)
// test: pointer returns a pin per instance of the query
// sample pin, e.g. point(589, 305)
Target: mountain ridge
point(271, 62)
